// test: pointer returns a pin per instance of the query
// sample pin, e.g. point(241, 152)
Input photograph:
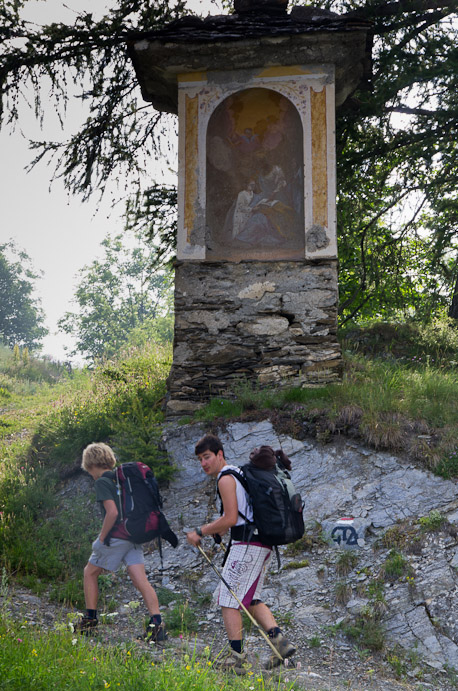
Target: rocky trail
point(406, 607)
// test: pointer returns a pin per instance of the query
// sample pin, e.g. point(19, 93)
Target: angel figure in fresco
point(247, 142)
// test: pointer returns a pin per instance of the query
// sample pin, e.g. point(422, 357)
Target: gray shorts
point(120, 551)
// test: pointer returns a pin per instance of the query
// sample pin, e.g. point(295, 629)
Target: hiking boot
point(154, 633)
point(284, 647)
point(87, 626)
point(233, 662)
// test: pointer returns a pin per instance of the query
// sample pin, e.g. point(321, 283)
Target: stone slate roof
point(307, 35)
point(300, 20)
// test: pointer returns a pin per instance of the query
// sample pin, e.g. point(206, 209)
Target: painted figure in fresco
point(255, 186)
point(246, 142)
point(262, 217)
point(243, 209)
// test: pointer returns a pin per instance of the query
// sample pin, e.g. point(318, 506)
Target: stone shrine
point(256, 273)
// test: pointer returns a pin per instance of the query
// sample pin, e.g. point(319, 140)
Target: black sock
point(274, 631)
point(236, 646)
point(91, 613)
point(156, 619)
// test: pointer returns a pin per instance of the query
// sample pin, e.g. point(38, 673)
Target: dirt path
point(329, 663)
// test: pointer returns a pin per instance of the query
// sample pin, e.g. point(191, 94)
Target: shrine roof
point(251, 39)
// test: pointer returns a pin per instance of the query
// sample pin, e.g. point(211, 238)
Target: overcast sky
point(61, 234)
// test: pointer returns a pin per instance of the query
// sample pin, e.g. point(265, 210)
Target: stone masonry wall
point(269, 322)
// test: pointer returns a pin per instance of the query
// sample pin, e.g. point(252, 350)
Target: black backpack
point(277, 506)
point(141, 518)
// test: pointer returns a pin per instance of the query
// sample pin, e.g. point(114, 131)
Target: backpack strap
point(243, 532)
point(119, 493)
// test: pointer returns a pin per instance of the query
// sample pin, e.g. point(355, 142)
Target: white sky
point(61, 234)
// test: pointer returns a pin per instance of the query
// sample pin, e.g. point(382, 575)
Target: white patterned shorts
point(244, 571)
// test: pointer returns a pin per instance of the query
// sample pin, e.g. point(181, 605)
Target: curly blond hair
point(98, 455)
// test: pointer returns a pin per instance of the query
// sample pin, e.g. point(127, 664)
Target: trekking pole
point(250, 616)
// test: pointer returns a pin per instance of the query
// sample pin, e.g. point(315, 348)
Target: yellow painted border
point(190, 165)
point(192, 77)
point(319, 157)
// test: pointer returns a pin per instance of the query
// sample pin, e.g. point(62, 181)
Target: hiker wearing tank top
point(246, 564)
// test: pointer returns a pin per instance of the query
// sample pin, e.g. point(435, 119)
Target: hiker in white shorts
point(246, 564)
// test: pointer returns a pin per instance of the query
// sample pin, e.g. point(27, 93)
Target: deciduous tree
point(21, 317)
point(119, 297)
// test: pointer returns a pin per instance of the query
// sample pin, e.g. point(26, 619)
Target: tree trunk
point(453, 311)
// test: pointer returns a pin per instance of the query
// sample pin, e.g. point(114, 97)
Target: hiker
point(108, 552)
point(246, 564)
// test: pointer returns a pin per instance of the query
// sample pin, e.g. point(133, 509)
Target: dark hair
point(209, 443)
point(265, 457)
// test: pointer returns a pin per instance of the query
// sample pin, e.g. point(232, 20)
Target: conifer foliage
point(397, 162)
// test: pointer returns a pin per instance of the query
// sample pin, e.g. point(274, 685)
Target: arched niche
point(255, 178)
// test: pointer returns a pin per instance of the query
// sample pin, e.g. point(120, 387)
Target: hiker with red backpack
point(248, 555)
point(123, 530)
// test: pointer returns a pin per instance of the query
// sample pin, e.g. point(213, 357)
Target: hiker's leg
point(141, 582)
point(232, 622)
point(263, 616)
point(91, 586)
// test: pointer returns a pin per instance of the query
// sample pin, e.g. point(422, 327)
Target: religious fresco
point(255, 178)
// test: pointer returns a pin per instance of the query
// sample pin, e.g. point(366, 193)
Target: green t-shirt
point(105, 488)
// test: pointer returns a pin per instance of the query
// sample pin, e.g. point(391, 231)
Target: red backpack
point(140, 519)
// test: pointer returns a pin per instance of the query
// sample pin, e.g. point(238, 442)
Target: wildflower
point(34, 652)
point(188, 667)
point(106, 684)
point(19, 640)
point(152, 664)
point(74, 641)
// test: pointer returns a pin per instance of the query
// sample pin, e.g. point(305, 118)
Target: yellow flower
point(152, 664)
point(106, 684)
point(188, 667)
point(34, 652)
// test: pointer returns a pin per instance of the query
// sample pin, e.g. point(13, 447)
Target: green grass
point(375, 386)
point(392, 405)
point(433, 522)
point(395, 566)
point(43, 538)
point(62, 660)
point(366, 630)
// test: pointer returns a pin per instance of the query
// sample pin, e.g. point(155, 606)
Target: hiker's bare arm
point(226, 487)
point(110, 519)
